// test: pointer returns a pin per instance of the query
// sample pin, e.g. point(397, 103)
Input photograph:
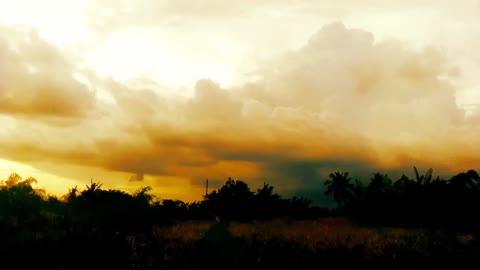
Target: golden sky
point(170, 93)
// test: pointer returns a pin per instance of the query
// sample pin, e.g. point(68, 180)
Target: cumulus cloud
point(342, 101)
point(36, 81)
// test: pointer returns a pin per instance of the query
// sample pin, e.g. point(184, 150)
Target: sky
point(168, 94)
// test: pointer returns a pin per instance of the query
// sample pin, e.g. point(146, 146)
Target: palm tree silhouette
point(341, 187)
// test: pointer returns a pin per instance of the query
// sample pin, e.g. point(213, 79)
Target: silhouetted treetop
point(339, 184)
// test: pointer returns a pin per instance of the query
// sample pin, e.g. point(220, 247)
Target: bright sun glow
point(286, 87)
point(60, 22)
point(123, 54)
point(129, 54)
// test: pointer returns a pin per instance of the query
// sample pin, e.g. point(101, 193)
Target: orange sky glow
point(169, 93)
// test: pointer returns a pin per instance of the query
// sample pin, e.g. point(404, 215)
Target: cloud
point(36, 81)
point(163, 12)
point(154, 11)
point(343, 101)
point(137, 177)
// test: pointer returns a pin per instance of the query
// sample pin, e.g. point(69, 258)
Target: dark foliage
point(421, 202)
point(96, 228)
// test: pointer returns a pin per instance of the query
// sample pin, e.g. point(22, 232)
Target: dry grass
point(186, 231)
point(321, 235)
point(333, 233)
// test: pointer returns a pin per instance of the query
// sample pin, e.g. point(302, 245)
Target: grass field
point(327, 243)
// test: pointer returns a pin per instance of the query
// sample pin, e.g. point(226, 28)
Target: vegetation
point(420, 202)
point(378, 224)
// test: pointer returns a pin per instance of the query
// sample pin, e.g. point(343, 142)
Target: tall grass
point(314, 237)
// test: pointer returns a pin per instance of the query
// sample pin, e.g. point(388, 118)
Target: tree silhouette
point(339, 184)
point(379, 191)
point(71, 195)
point(465, 180)
point(266, 193)
point(266, 202)
point(232, 200)
point(379, 184)
point(15, 180)
point(423, 179)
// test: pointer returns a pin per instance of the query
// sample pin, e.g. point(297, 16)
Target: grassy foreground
point(283, 244)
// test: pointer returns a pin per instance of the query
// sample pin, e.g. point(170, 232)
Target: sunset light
point(180, 92)
point(248, 134)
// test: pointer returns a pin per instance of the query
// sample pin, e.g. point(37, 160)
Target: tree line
point(86, 227)
point(423, 201)
point(95, 223)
